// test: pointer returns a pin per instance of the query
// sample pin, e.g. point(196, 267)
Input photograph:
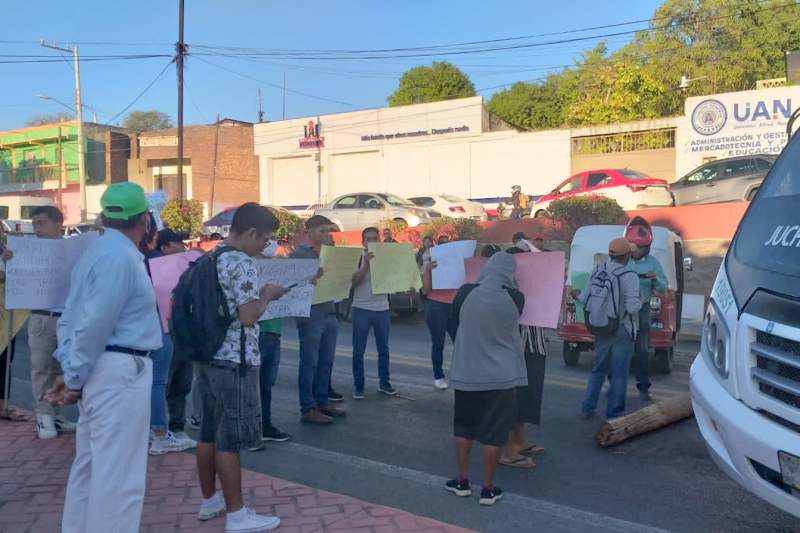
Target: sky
point(228, 86)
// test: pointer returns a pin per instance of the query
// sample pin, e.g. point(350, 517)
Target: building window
point(29, 159)
point(624, 142)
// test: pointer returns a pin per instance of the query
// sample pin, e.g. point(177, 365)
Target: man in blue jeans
point(612, 354)
point(369, 311)
point(318, 335)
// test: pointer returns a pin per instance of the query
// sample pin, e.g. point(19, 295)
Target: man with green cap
point(108, 328)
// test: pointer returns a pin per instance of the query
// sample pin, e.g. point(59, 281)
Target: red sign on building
point(311, 137)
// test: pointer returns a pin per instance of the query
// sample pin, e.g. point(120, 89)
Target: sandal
point(524, 463)
point(533, 449)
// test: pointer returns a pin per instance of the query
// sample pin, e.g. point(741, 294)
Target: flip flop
point(524, 463)
point(533, 449)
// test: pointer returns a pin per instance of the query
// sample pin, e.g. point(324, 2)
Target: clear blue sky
point(109, 86)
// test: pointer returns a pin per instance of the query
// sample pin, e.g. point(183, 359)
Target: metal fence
point(624, 142)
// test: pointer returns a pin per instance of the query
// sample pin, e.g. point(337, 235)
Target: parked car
point(219, 226)
point(451, 206)
point(724, 180)
point(630, 188)
point(19, 227)
point(354, 212)
point(78, 229)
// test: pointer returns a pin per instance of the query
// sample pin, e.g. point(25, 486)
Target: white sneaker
point(247, 521)
point(152, 437)
point(212, 508)
point(166, 444)
point(185, 440)
point(65, 426)
point(46, 427)
point(440, 384)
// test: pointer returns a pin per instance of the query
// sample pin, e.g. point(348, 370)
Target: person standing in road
point(108, 328)
point(612, 352)
point(387, 236)
point(369, 311)
point(438, 318)
point(424, 251)
point(488, 366)
point(651, 280)
point(318, 334)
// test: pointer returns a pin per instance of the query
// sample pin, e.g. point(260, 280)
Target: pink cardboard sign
point(166, 271)
point(473, 267)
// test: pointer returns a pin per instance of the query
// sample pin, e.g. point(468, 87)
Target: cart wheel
point(664, 361)
point(571, 355)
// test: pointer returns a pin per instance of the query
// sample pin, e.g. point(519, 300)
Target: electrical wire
point(147, 88)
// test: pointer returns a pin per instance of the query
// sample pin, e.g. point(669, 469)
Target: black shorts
point(485, 416)
point(231, 406)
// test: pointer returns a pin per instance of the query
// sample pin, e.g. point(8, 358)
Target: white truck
point(745, 383)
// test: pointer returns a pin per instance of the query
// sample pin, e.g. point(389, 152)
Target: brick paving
point(33, 478)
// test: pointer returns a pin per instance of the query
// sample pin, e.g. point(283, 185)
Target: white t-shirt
point(363, 297)
point(238, 278)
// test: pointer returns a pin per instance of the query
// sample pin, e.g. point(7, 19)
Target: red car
point(631, 189)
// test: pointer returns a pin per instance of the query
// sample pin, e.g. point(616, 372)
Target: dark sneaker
point(273, 434)
point(387, 389)
point(194, 422)
point(334, 396)
point(315, 416)
point(334, 412)
point(358, 394)
point(490, 496)
point(460, 488)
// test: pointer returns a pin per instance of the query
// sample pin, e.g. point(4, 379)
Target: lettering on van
point(722, 295)
point(785, 236)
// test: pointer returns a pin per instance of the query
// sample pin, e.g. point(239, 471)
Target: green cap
point(124, 200)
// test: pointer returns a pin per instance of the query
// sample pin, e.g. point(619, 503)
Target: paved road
point(398, 452)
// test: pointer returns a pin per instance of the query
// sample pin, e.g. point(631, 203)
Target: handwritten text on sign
point(38, 275)
point(288, 272)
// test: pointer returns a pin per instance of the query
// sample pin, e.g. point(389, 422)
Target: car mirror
point(688, 264)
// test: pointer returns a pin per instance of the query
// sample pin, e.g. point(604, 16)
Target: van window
point(26, 211)
point(4, 212)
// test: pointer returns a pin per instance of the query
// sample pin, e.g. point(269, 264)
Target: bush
point(579, 211)
point(291, 228)
point(455, 228)
point(183, 217)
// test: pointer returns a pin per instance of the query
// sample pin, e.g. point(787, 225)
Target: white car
point(354, 212)
point(451, 206)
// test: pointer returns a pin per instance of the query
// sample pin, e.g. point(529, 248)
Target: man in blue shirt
point(108, 328)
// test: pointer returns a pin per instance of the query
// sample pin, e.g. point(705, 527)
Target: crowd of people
point(107, 351)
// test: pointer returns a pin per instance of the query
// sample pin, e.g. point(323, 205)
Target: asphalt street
point(398, 452)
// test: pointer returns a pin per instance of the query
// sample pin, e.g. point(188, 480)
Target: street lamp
point(67, 106)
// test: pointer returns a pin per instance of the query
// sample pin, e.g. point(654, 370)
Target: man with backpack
point(216, 307)
point(611, 303)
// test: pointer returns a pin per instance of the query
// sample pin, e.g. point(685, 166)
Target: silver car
point(354, 212)
point(724, 180)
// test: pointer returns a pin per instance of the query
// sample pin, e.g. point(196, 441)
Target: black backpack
point(200, 314)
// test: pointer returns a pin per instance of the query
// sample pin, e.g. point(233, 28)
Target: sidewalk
point(33, 478)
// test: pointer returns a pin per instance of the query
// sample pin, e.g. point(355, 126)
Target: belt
point(46, 313)
point(129, 351)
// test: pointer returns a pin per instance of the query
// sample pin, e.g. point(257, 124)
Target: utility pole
point(319, 162)
point(79, 118)
point(180, 53)
point(284, 96)
point(214, 169)
point(260, 108)
point(60, 172)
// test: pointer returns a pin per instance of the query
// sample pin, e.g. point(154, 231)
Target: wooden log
point(652, 417)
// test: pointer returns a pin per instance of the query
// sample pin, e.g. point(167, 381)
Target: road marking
point(561, 512)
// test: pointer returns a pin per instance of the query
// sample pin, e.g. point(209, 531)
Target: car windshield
point(634, 175)
point(221, 219)
point(451, 198)
point(396, 200)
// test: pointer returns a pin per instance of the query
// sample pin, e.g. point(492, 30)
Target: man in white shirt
point(108, 328)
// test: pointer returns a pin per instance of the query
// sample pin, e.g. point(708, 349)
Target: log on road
point(646, 419)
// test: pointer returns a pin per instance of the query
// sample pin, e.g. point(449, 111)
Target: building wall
point(655, 163)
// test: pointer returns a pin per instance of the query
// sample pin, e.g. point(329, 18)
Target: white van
point(745, 383)
point(16, 211)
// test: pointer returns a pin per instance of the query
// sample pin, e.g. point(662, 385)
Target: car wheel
point(541, 213)
point(664, 361)
point(571, 354)
point(752, 194)
point(402, 224)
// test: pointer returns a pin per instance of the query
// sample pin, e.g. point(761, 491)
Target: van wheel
point(541, 213)
point(752, 194)
point(571, 354)
point(664, 361)
point(402, 224)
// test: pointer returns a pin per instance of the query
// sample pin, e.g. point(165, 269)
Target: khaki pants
point(44, 368)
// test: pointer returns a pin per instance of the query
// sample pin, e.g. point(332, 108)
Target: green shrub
point(578, 211)
point(183, 217)
point(455, 228)
point(291, 228)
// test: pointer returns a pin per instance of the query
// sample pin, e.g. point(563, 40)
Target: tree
point(183, 217)
point(140, 121)
point(440, 81)
point(39, 120)
point(530, 105)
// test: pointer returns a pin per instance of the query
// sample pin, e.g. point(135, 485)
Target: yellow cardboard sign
point(338, 264)
point(20, 317)
point(393, 268)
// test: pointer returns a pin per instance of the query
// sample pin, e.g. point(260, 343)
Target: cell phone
point(292, 286)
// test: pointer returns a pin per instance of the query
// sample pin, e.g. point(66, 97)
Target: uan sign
point(311, 137)
point(735, 124)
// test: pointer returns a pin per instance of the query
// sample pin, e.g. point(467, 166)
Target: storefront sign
point(157, 141)
point(311, 137)
point(418, 133)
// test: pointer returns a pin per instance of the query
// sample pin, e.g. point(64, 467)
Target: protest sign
point(165, 272)
point(338, 264)
point(449, 272)
point(20, 316)
point(393, 268)
point(285, 273)
point(540, 277)
point(38, 275)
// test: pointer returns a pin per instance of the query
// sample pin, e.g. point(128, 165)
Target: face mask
point(271, 249)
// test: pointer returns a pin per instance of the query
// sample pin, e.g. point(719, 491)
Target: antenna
point(260, 107)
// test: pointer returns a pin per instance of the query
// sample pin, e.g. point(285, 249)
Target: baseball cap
point(619, 247)
point(167, 236)
point(638, 232)
point(122, 201)
point(519, 236)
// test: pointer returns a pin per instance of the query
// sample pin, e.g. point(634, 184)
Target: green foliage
point(40, 120)
point(183, 217)
point(578, 211)
point(140, 121)
point(396, 226)
point(530, 105)
point(440, 81)
point(455, 228)
point(291, 228)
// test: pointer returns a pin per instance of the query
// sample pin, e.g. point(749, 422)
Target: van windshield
point(768, 240)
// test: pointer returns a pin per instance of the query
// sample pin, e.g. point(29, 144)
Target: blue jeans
point(642, 350)
point(380, 322)
point(612, 355)
point(317, 348)
point(440, 324)
point(269, 344)
point(162, 358)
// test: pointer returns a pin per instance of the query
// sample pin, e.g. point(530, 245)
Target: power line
point(147, 88)
point(99, 58)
